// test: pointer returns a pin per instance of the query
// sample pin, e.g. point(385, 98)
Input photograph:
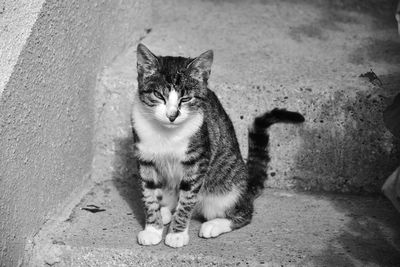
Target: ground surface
point(303, 55)
point(288, 229)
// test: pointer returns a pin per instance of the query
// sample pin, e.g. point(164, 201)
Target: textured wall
point(16, 20)
point(46, 107)
point(304, 55)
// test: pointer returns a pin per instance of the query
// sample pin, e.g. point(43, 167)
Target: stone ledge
point(288, 228)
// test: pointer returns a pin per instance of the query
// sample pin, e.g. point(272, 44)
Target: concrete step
point(288, 228)
point(302, 55)
point(306, 56)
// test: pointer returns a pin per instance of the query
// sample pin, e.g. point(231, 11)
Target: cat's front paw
point(177, 240)
point(150, 236)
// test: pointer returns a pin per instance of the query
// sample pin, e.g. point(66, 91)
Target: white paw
point(177, 240)
point(165, 215)
point(150, 236)
point(215, 227)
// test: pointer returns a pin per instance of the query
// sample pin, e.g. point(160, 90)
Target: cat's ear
point(200, 67)
point(147, 62)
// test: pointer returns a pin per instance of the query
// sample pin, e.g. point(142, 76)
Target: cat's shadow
point(126, 177)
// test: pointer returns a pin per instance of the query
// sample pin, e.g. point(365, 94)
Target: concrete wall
point(288, 54)
point(16, 20)
point(50, 59)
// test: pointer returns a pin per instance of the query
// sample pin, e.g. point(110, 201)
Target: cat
point(188, 154)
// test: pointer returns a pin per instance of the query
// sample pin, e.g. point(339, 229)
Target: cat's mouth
point(171, 124)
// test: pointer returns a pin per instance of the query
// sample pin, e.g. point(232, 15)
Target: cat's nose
point(172, 116)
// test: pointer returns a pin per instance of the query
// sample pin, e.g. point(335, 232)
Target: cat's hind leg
point(225, 214)
point(166, 215)
point(215, 227)
point(168, 200)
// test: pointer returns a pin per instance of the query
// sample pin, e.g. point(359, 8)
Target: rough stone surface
point(46, 107)
point(288, 229)
point(306, 56)
point(16, 20)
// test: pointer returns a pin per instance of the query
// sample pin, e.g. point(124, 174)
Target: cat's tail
point(258, 157)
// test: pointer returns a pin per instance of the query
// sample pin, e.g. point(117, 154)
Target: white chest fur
point(163, 145)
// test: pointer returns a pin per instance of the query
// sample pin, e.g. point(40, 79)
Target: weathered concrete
point(306, 56)
point(49, 67)
point(303, 55)
point(16, 21)
point(288, 229)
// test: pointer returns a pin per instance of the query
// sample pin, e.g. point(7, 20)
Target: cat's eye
point(185, 99)
point(158, 95)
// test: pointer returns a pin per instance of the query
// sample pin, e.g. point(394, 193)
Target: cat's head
point(172, 89)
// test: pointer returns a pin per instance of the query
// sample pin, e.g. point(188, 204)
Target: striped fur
point(258, 157)
point(188, 153)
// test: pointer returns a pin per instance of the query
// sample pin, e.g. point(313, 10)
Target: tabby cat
point(188, 154)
